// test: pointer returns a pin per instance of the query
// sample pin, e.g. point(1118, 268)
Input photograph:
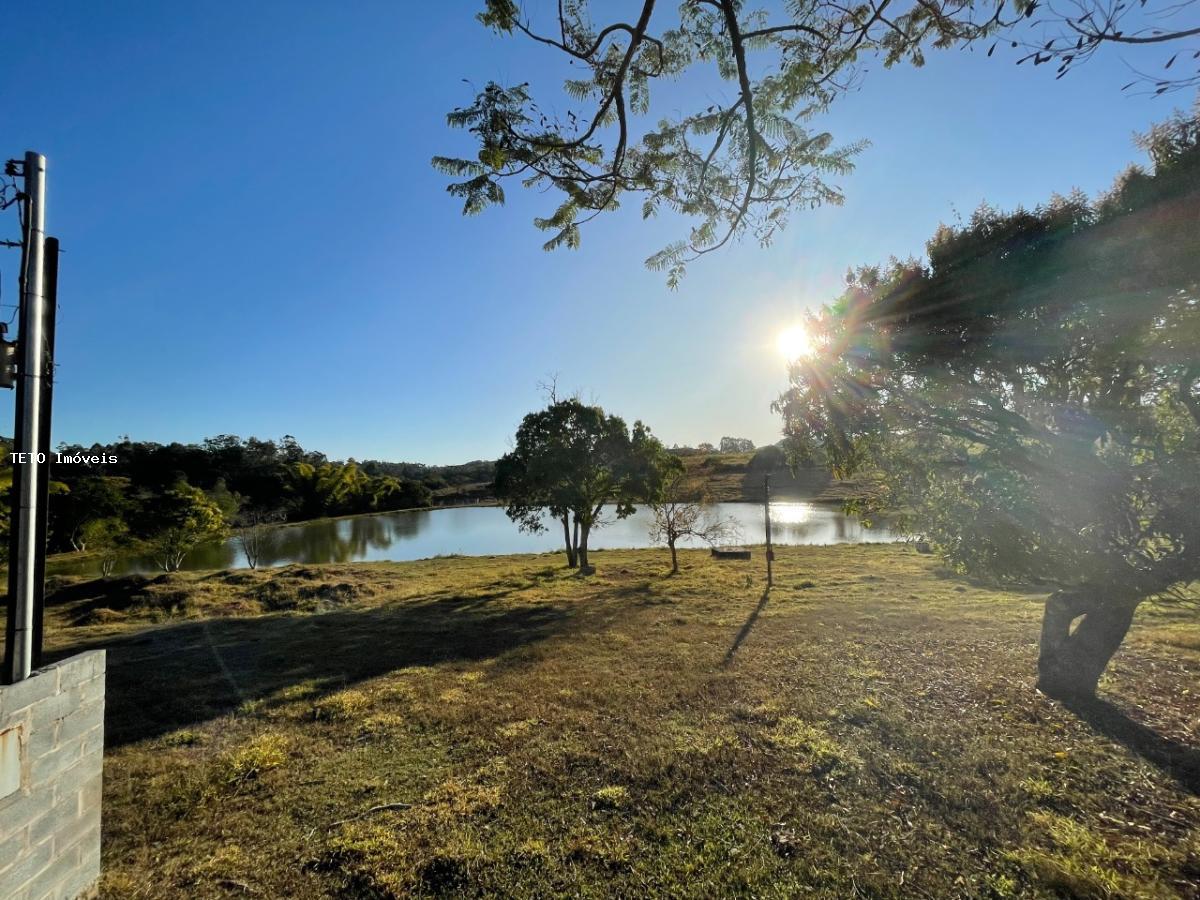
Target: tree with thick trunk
point(1028, 401)
point(1071, 660)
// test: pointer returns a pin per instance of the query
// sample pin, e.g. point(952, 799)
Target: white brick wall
point(50, 826)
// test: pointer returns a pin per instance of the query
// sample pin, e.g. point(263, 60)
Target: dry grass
point(729, 477)
point(501, 727)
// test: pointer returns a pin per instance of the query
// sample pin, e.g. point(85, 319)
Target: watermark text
point(77, 459)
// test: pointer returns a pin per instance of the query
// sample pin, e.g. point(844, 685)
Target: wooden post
point(767, 513)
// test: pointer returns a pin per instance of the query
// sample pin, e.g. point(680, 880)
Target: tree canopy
point(177, 521)
point(1027, 398)
point(741, 165)
point(570, 460)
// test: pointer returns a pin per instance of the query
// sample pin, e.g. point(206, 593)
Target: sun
point(794, 342)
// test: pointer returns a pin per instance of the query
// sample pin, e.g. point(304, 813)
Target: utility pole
point(767, 513)
point(43, 446)
point(23, 589)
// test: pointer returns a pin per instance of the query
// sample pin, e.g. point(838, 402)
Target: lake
point(487, 531)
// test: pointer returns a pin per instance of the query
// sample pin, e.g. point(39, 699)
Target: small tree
point(681, 511)
point(179, 520)
point(109, 537)
point(570, 460)
point(256, 535)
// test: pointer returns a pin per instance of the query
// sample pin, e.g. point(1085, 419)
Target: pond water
point(486, 531)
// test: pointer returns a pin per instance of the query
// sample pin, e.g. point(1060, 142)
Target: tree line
point(163, 499)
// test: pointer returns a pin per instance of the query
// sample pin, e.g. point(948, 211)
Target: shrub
point(768, 458)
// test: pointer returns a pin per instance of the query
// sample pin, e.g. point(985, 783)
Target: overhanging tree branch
point(743, 166)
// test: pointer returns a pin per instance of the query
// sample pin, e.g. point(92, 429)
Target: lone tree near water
point(570, 461)
point(178, 521)
point(682, 512)
point(256, 533)
point(1029, 399)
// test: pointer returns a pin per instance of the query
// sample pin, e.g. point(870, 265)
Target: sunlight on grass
point(574, 738)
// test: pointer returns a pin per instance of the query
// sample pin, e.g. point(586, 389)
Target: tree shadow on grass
point(1177, 759)
point(86, 596)
point(180, 674)
point(745, 630)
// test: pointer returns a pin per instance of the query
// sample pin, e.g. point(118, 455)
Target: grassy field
point(499, 726)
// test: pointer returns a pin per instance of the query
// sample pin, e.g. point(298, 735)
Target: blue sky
point(255, 243)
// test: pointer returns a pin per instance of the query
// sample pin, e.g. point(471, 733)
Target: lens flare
point(794, 342)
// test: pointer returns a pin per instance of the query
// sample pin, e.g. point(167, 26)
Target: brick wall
point(51, 763)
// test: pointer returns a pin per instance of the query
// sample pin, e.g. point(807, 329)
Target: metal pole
point(43, 446)
point(18, 657)
point(767, 513)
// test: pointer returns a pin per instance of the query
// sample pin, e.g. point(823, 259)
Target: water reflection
point(485, 530)
point(808, 523)
point(342, 540)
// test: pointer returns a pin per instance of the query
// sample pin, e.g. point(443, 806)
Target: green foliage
point(246, 479)
point(1030, 394)
point(84, 501)
point(1029, 399)
point(570, 460)
point(226, 501)
point(337, 489)
point(179, 520)
point(744, 164)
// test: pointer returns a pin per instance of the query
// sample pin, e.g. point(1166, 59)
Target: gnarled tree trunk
point(1070, 662)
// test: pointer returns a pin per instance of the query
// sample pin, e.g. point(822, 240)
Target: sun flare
point(794, 342)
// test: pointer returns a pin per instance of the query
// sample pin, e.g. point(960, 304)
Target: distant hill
point(725, 477)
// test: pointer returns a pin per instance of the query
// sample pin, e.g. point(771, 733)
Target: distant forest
point(246, 479)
